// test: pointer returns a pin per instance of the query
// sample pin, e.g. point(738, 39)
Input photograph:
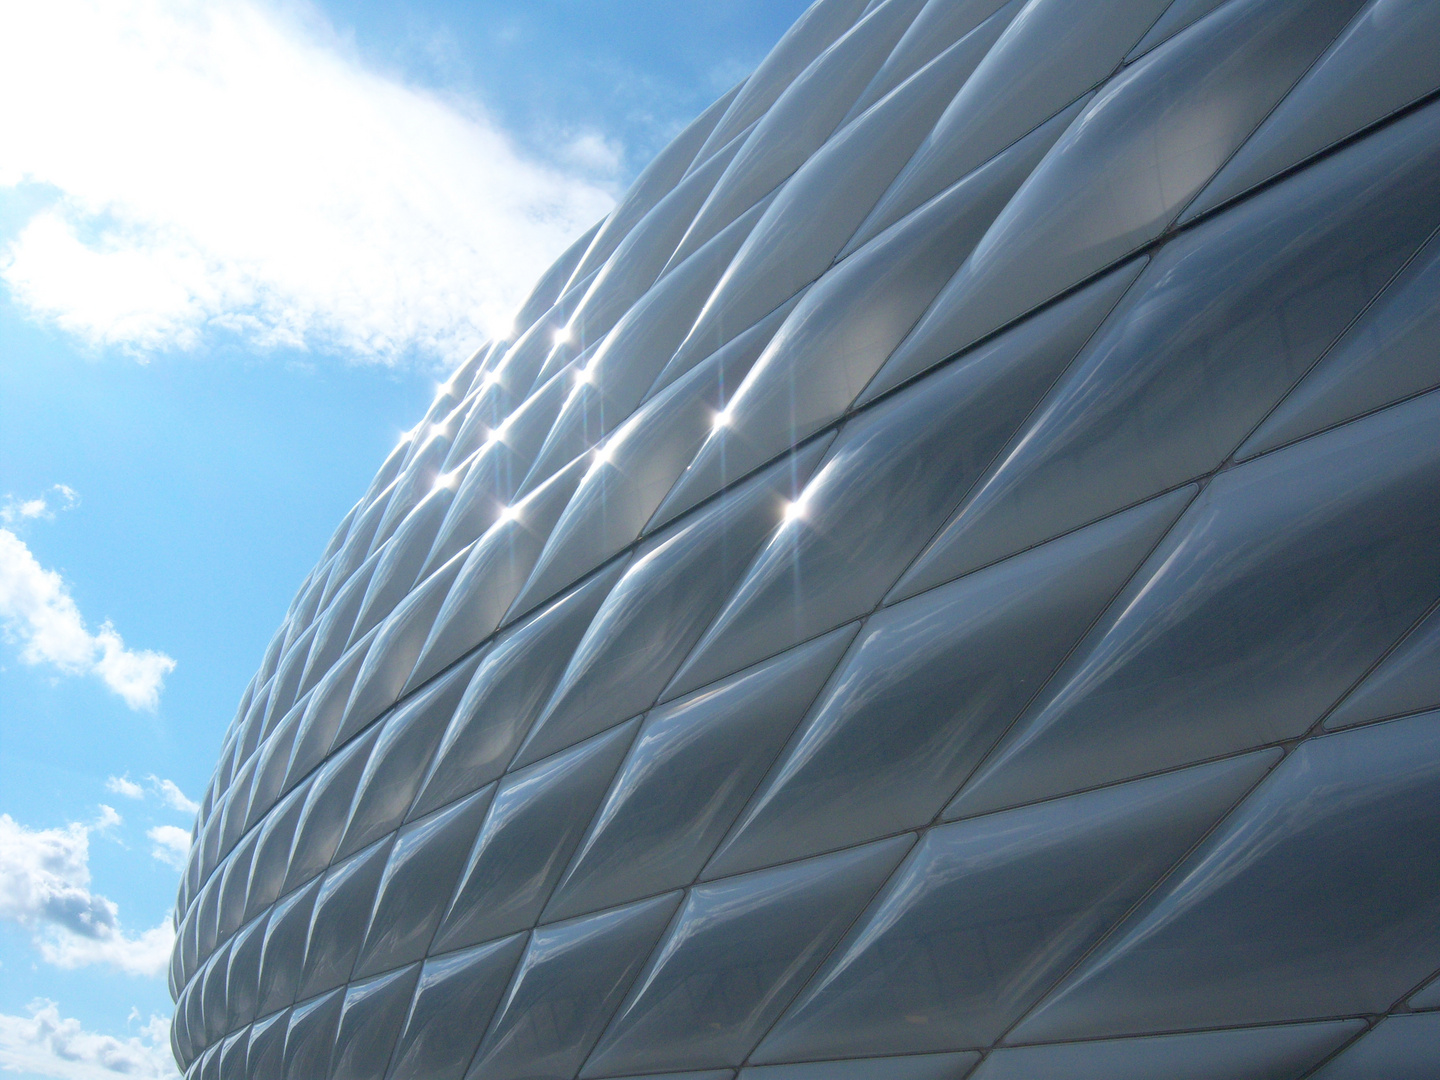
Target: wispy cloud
point(46, 1044)
point(171, 845)
point(171, 795)
point(167, 791)
point(59, 497)
point(38, 613)
point(123, 785)
point(219, 166)
point(45, 888)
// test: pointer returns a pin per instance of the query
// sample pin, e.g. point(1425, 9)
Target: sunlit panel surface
point(941, 583)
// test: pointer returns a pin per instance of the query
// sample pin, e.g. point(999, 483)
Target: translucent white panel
point(370, 1022)
point(1327, 565)
point(571, 980)
point(1135, 157)
point(421, 872)
point(1383, 61)
point(892, 477)
point(511, 684)
point(1327, 872)
point(985, 914)
point(657, 180)
point(811, 34)
point(1266, 1053)
point(818, 208)
point(739, 950)
point(492, 573)
point(1391, 352)
point(547, 290)
point(347, 893)
point(326, 811)
point(637, 262)
point(939, 25)
point(845, 327)
point(637, 465)
point(802, 118)
point(693, 766)
point(485, 490)
point(285, 936)
point(399, 757)
point(624, 366)
point(272, 852)
point(453, 1001)
point(398, 643)
point(1217, 329)
point(320, 724)
point(671, 590)
point(535, 821)
point(1011, 94)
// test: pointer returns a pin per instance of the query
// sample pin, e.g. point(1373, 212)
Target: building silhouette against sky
point(941, 583)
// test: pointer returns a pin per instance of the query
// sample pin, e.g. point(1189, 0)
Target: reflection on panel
point(941, 583)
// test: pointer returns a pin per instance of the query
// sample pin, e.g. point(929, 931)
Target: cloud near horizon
point(38, 613)
point(45, 888)
point(48, 1044)
point(220, 167)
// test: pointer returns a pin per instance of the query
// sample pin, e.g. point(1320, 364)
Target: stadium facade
point(941, 584)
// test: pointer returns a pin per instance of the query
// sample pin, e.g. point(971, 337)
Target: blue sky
point(239, 243)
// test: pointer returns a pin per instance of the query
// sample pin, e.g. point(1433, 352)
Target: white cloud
point(45, 887)
point(14, 509)
point(123, 785)
point(171, 795)
point(38, 613)
point(217, 166)
point(172, 845)
point(47, 1044)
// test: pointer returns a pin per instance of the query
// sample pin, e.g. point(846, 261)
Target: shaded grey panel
point(802, 117)
point(1383, 61)
point(265, 1054)
point(1406, 681)
point(571, 980)
point(985, 914)
point(1134, 158)
point(890, 480)
point(738, 952)
point(311, 1036)
point(1284, 1052)
point(845, 327)
point(1329, 873)
point(536, 819)
point(453, 1002)
point(1220, 325)
point(344, 902)
point(326, 811)
point(1389, 353)
point(657, 611)
point(819, 207)
point(494, 572)
point(1011, 94)
point(399, 757)
point(911, 1067)
point(1328, 561)
point(285, 937)
point(693, 766)
point(510, 686)
point(417, 883)
point(370, 1022)
point(1398, 1048)
point(930, 686)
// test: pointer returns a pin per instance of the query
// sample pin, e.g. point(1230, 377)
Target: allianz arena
point(941, 585)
